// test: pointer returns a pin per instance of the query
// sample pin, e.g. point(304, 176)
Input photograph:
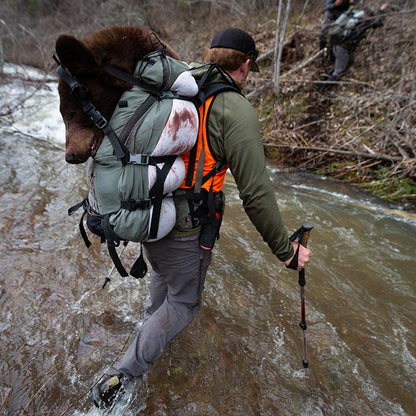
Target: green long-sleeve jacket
point(234, 137)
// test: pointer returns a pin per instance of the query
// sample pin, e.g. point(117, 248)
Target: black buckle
point(132, 204)
point(139, 159)
point(95, 115)
point(197, 202)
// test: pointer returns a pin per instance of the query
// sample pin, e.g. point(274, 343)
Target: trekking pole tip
point(107, 279)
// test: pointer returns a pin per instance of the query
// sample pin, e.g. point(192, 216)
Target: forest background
point(361, 131)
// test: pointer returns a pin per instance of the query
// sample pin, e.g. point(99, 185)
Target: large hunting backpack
point(138, 164)
point(344, 26)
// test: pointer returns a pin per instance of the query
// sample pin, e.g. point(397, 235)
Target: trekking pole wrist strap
point(294, 262)
point(302, 236)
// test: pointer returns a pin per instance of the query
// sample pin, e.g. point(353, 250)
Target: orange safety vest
point(191, 159)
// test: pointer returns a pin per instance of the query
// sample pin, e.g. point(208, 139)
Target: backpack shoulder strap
point(207, 89)
point(217, 87)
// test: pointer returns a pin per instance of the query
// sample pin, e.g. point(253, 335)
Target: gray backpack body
point(169, 127)
point(138, 165)
point(344, 26)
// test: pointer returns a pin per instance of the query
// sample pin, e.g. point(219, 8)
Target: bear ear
point(74, 55)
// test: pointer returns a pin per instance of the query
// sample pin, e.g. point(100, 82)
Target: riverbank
point(361, 131)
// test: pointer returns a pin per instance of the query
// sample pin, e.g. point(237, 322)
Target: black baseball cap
point(239, 40)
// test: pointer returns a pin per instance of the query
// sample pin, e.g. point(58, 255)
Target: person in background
point(180, 260)
point(345, 39)
point(333, 9)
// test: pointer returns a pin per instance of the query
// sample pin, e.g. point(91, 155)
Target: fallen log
point(376, 156)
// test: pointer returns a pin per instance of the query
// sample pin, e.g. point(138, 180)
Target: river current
point(243, 353)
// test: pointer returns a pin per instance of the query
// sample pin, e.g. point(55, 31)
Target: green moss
point(392, 188)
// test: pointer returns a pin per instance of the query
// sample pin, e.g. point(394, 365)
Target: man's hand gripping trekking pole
point(302, 236)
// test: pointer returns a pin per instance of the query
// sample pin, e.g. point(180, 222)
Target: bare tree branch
point(376, 156)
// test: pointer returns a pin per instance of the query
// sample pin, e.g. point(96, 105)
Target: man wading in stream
point(180, 260)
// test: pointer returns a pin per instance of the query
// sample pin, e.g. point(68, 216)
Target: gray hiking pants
point(177, 281)
point(342, 61)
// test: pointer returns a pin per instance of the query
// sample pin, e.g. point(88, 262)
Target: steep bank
point(361, 131)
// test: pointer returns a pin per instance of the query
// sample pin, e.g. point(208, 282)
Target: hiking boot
point(326, 87)
point(104, 393)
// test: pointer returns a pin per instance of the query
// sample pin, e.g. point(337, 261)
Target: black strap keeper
point(132, 204)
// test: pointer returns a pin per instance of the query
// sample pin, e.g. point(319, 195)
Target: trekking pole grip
point(307, 227)
point(305, 233)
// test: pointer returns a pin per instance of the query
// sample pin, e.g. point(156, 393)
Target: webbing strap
point(124, 76)
point(82, 230)
point(218, 167)
point(194, 152)
point(228, 80)
point(138, 114)
point(68, 78)
point(191, 165)
point(211, 206)
point(112, 242)
point(120, 150)
point(81, 92)
point(156, 194)
point(133, 205)
point(200, 169)
point(71, 210)
point(294, 262)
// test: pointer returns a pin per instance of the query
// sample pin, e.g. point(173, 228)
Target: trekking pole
point(302, 235)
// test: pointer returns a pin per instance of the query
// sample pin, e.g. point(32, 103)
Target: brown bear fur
point(120, 47)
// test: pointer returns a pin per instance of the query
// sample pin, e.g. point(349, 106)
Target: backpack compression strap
point(156, 193)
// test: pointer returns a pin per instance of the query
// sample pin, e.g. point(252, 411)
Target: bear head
point(119, 47)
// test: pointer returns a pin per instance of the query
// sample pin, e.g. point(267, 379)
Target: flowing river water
point(243, 354)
